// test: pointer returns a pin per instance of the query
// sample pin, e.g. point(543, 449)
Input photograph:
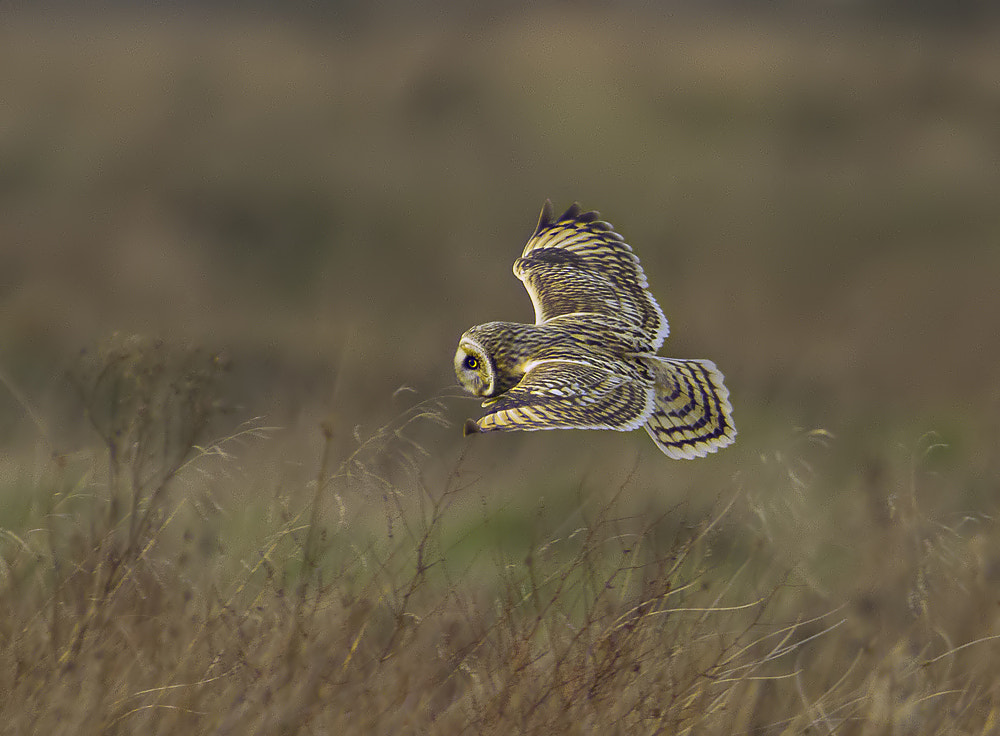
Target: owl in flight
point(589, 361)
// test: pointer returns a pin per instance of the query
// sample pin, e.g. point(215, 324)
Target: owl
point(589, 361)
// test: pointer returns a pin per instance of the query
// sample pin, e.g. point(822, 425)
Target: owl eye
point(471, 362)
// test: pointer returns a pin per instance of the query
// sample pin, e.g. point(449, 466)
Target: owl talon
point(470, 427)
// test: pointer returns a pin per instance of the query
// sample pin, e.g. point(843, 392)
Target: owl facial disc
point(473, 368)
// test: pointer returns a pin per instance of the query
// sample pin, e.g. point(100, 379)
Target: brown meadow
point(266, 534)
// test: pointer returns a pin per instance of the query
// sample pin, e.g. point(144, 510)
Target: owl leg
point(692, 416)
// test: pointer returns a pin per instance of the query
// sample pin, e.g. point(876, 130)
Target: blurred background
point(327, 195)
point(331, 194)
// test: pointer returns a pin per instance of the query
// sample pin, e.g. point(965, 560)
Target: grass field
point(236, 257)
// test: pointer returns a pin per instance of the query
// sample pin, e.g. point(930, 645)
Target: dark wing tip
point(588, 216)
point(545, 217)
point(470, 427)
point(575, 213)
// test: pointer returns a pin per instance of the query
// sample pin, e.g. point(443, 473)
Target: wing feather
point(570, 394)
point(578, 263)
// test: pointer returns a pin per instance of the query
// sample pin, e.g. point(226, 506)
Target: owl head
point(491, 357)
point(476, 372)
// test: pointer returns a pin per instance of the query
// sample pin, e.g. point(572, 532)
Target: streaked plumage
point(589, 361)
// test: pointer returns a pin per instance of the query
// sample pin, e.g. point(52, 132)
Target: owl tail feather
point(692, 416)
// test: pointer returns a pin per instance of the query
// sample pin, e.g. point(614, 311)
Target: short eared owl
point(589, 361)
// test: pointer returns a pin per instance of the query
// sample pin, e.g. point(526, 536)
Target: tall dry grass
point(814, 205)
point(347, 606)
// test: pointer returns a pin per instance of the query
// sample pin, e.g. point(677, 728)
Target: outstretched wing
point(692, 416)
point(569, 394)
point(577, 263)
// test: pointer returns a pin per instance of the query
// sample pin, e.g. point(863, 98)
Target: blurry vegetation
point(150, 406)
point(350, 611)
point(329, 203)
point(813, 204)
